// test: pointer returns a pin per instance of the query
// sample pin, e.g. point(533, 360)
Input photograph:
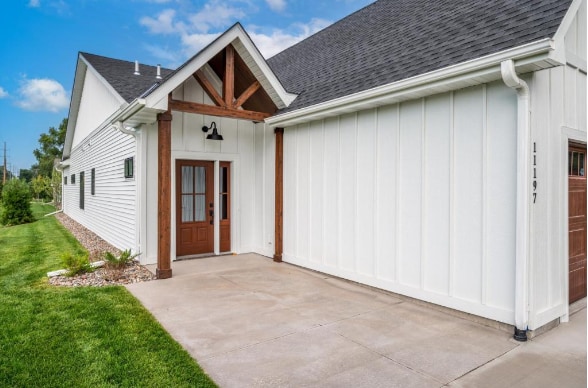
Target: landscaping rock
point(96, 246)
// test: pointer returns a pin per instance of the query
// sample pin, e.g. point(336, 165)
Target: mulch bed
point(96, 246)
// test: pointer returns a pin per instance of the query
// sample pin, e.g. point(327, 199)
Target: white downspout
point(138, 183)
point(510, 78)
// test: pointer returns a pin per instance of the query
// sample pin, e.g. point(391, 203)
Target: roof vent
point(137, 68)
point(158, 76)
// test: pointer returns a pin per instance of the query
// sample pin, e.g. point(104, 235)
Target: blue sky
point(40, 40)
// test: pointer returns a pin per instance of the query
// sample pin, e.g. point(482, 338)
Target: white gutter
point(510, 78)
point(134, 107)
point(361, 99)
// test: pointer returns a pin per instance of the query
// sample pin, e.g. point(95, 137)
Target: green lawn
point(76, 337)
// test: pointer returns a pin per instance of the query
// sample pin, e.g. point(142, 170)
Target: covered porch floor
point(251, 322)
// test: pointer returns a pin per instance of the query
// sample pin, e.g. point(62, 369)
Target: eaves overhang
point(529, 57)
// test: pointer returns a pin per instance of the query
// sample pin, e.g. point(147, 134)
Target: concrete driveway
point(250, 322)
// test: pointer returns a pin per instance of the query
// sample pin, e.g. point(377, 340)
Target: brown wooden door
point(194, 207)
point(577, 221)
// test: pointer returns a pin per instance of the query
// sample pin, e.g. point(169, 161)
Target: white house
point(437, 152)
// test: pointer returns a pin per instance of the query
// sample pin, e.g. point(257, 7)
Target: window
point(576, 163)
point(81, 190)
point(224, 191)
point(65, 180)
point(73, 179)
point(93, 182)
point(129, 168)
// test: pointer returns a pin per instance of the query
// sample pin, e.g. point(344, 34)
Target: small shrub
point(121, 260)
point(76, 264)
point(16, 203)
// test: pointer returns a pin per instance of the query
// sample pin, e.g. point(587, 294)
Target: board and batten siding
point(250, 149)
point(416, 198)
point(558, 104)
point(111, 212)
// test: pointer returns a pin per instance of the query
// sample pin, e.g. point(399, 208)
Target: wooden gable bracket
point(225, 105)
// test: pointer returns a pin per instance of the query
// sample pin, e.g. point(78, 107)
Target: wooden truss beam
point(211, 110)
point(208, 88)
point(246, 94)
point(225, 105)
point(229, 77)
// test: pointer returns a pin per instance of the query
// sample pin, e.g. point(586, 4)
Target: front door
point(195, 207)
point(577, 220)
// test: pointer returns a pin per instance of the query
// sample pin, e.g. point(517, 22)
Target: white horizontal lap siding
point(417, 198)
point(111, 212)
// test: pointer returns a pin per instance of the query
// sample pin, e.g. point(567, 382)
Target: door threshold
point(202, 256)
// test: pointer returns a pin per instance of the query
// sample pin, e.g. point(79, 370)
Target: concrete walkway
point(250, 322)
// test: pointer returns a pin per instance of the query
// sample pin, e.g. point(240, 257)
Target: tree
point(16, 203)
point(56, 180)
point(26, 175)
point(41, 187)
point(51, 147)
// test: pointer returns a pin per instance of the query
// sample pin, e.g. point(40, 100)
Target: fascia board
point(74, 105)
point(470, 68)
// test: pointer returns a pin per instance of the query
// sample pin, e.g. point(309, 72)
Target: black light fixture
point(214, 135)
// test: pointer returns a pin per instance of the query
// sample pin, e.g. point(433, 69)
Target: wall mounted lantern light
point(214, 135)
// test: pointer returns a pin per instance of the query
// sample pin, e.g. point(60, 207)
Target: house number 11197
point(534, 172)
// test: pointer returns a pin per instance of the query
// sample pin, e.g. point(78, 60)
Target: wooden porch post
point(279, 225)
point(164, 195)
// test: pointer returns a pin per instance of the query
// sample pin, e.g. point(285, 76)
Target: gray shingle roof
point(391, 40)
point(119, 74)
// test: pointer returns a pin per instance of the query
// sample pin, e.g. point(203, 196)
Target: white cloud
point(42, 94)
point(34, 3)
point(163, 24)
point(192, 43)
point(198, 29)
point(3, 93)
point(276, 5)
point(215, 14)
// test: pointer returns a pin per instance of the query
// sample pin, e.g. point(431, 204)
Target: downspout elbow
point(511, 79)
point(120, 126)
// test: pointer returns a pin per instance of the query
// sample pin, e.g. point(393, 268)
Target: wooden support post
point(279, 195)
point(164, 195)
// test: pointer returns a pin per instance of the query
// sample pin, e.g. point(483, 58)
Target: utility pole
point(4, 178)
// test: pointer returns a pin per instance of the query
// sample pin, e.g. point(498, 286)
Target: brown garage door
point(577, 220)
